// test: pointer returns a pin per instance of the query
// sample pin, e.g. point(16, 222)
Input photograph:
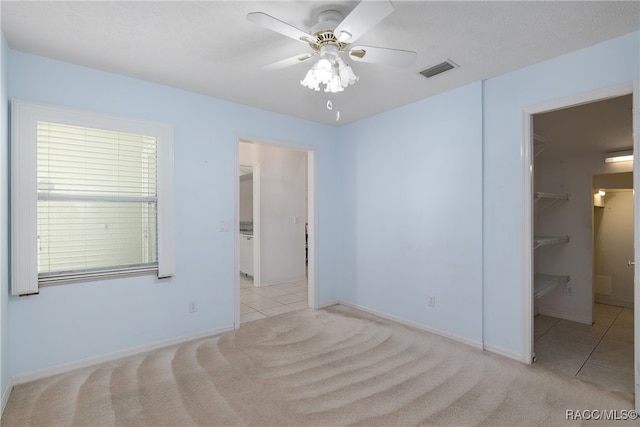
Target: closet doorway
point(275, 203)
point(576, 329)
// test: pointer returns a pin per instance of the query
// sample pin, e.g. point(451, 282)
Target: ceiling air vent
point(438, 69)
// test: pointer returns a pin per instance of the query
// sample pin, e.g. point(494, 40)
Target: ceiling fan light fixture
point(335, 74)
point(347, 76)
point(310, 81)
point(331, 37)
point(334, 84)
point(323, 70)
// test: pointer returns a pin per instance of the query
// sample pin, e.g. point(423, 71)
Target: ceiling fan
point(332, 37)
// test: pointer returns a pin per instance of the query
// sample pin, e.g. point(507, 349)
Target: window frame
point(24, 191)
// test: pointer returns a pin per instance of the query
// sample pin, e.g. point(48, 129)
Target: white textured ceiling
point(208, 47)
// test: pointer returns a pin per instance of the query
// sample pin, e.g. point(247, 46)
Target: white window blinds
point(91, 197)
point(97, 201)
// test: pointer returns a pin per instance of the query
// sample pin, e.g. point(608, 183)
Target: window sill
point(102, 275)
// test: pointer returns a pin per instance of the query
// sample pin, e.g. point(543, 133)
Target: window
point(91, 197)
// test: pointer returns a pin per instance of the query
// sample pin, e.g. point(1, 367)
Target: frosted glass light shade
point(310, 81)
point(333, 73)
point(334, 84)
point(347, 76)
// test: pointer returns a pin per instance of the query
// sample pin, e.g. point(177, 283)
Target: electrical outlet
point(569, 290)
point(193, 306)
point(431, 301)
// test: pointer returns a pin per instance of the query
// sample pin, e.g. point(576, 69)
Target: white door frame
point(312, 278)
point(255, 242)
point(636, 238)
point(527, 214)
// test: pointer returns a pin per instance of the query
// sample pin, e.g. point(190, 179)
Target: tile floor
point(601, 353)
point(267, 301)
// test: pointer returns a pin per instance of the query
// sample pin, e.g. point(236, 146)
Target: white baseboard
point(5, 395)
point(90, 361)
point(564, 316)
point(299, 279)
point(604, 299)
point(506, 353)
point(330, 303)
point(415, 325)
point(476, 344)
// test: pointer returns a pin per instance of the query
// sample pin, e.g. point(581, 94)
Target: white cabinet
point(246, 254)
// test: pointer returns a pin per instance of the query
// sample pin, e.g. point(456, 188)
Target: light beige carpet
point(329, 367)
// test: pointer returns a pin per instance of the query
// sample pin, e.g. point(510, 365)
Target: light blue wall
point(4, 226)
point(604, 65)
point(414, 192)
point(76, 321)
point(434, 195)
point(425, 200)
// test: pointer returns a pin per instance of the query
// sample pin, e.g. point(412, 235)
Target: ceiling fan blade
point(381, 55)
point(365, 16)
point(274, 24)
point(289, 62)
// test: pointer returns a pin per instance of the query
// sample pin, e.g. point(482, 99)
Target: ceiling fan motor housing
point(330, 50)
point(323, 31)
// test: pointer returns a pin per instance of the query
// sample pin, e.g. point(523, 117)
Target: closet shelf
point(539, 241)
point(539, 144)
point(545, 283)
point(543, 201)
point(553, 196)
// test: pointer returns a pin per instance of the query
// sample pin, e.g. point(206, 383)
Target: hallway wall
point(283, 188)
point(613, 246)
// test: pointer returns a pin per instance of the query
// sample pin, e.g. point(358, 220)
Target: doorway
point(276, 251)
point(613, 239)
point(574, 331)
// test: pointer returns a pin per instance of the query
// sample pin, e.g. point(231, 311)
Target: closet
point(580, 277)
